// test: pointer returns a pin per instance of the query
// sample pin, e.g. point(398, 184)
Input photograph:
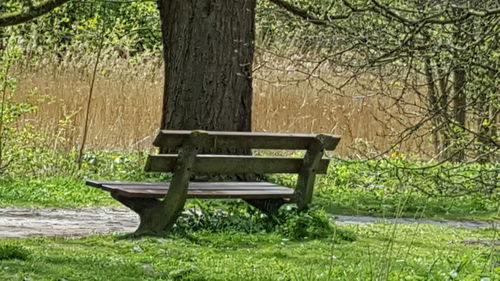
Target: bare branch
point(306, 15)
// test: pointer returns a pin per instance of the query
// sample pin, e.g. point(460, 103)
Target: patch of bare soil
point(16, 222)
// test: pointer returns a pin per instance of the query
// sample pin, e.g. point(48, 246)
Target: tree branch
point(383, 10)
point(306, 15)
point(33, 12)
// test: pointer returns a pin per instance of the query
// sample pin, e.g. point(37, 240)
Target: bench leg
point(267, 206)
point(150, 212)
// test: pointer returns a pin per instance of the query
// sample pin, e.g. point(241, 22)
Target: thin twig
point(89, 100)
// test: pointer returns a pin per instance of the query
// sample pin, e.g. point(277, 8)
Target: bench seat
point(215, 190)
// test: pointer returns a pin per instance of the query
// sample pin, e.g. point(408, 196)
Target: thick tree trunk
point(208, 52)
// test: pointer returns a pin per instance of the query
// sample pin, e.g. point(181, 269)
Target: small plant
point(12, 252)
point(238, 217)
point(312, 224)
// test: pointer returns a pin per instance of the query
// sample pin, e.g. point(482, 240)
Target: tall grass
point(126, 107)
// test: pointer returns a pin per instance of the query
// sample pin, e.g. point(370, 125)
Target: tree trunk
point(487, 122)
point(460, 104)
point(446, 139)
point(433, 105)
point(208, 53)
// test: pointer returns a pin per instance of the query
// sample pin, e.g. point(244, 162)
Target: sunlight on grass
point(383, 252)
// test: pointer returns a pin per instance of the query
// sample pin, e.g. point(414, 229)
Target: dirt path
point(17, 222)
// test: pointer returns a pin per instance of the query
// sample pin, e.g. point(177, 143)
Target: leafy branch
point(32, 12)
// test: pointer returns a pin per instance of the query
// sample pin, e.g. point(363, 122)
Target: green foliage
point(13, 133)
point(398, 187)
point(313, 224)
point(237, 216)
point(226, 216)
point(10, 252)
point(74, 30)
point(44, 177)
point(381, 188)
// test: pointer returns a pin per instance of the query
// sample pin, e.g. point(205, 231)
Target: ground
point(381, 252)
point(21, 222)
point(394, 249)
point(90, 245)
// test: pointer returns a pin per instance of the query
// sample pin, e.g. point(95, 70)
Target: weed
point(10, 252)
point(236, 216)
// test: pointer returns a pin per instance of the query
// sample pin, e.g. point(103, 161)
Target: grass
point(52, 192)
point(70, 192)
point(411, 204)
point(287, 99)
point(382, 252)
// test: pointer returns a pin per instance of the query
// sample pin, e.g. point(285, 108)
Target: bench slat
point(233, 164)
point(194, 185)
point(245, 140)
point(244, 190)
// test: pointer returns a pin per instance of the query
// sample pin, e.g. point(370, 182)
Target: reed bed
point(126, 106)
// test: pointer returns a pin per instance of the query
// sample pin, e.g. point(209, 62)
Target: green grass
point(382, 252)
point(377, 188)
point(387, 187)
point(72, 192)
point(392, 203)
point(249, 252)
point(52, 192)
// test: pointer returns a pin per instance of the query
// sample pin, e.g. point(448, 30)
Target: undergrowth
point(236, 216)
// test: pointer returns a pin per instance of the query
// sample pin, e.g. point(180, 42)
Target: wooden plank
point(234, 140)
point(197, 185)
point(247, 190)
point(224, 194)
point(233, 164)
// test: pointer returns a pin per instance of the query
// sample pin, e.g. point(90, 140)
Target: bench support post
point(307, 175)
point(158, 218)
point(148, 210)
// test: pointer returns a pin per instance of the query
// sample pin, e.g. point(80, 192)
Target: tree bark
point(433, 105)
point(208, 53)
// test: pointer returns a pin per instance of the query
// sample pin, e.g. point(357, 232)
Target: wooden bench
point(159, 204)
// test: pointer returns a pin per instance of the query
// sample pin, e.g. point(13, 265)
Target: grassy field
point(349, 187)
point(243, 245)
point(382, 252)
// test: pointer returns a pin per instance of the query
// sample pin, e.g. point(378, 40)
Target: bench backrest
point(174, 139)
point(188, 161)
point(234, 164)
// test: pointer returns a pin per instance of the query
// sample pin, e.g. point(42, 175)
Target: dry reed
point(126, 106)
